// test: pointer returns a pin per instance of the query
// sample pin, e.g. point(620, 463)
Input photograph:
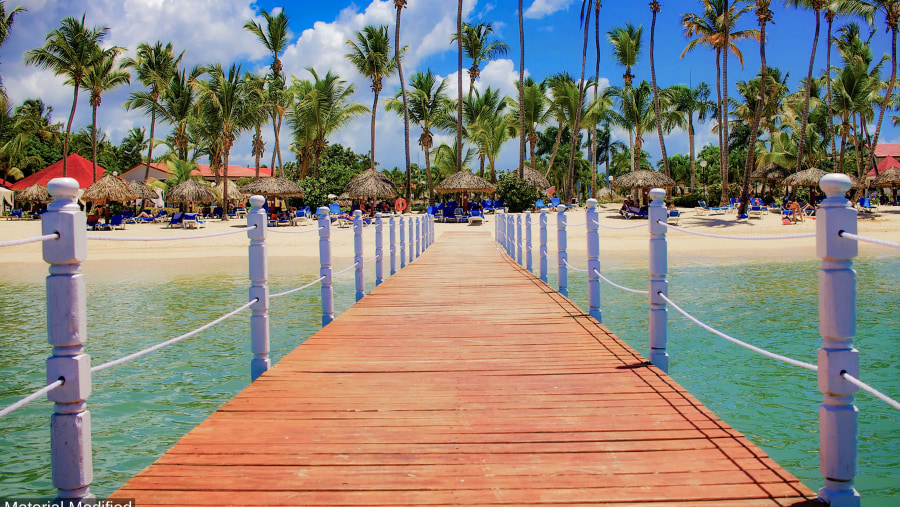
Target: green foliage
point(338, 165)
point(316, 193)
point(689, 200)
point(515, 193)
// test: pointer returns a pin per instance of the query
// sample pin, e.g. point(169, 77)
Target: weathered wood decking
point(464, 380)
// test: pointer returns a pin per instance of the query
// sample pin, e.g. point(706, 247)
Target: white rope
point(848, 235)
point(173, 340)
point(869, 389)
point(739, 342)
point(31, 397)
point(370, 260)
point(298, 289)
point(36, 239)
point(348, 268)
point(198, 236)
point(275, 229)
point(723, 236)
point(643, 224)
point(576, 225)
point(573, 267)
point(607, 280)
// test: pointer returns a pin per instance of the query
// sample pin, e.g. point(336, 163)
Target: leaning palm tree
point(155, 66)
point(224, 103)
point(400, 5)
point(563, 90)
point(371, 55)
point(274, 37)
point(522, 94)
point(479, 48)
point(816, 6)
point(102, 77)
point(70, 51)
point(891, 11)
point(176, 107)
point(655, 8)
point(428, 106)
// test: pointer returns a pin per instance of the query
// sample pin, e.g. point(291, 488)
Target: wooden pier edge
point(464, 380)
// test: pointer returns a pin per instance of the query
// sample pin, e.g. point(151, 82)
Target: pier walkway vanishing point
point(464, 379)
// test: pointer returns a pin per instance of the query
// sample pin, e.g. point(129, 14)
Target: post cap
point(591, 203)
point(63, 188)
point(561, 208)
point(378, 215)
point(257, 201)
point(658, 194)
point(323, 211)
point(835, 185)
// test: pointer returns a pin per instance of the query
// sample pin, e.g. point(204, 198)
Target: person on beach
point(796, 212)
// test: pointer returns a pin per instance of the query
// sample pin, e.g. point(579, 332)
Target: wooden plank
point(464, 380)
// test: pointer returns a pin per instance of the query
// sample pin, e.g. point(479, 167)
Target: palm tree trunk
point(844, 133)
point(555, 149)
point(725, 169)
point(68, 129)
point(405, 105)
point(94, 140)
point(596, 86)
point(278, 150)
point(654, 6)
point(275, 151)
point(829, 17)
point(150, 145)
point(754, 127)
point(576, 128)
point(631, 147)
point(428, 175)
point(857, 135)
point(522, 95)
point(887, 95)
point(374, 110)
point(225, 188)
point(805, 116)
point(691, 152)
point(459, 104)
point(258, 154)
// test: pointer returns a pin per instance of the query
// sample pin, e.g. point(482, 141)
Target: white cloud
point(541, 8)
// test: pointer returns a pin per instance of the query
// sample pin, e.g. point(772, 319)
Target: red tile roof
point(77, 167)
point(887, 150)
point(883, 166)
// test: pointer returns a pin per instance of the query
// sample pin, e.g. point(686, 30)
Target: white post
point(392, 237)
point(528, 254)
point(379, 249)
point(412, 249)
point(259, 287)
point(325, 266)
point(658, 284)
point(593, 259)
point(511, 234)
point(837, 325)
point(542, 250)
point(70, 424)
point(519, 239)
point(358, 255)
point(402, 242)
point(561, 255)
point(418, 236)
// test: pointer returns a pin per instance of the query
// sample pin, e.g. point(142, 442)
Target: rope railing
point(25, 241)
point(370, 260)
point(298, 289)
point(173, 340)
point(573, 267)
point(845, 234)
point(726, 236)
point(736, 341)
point(348, 268)
point(871, 390)
point(621, 287)
point(636, 226)
point(31, 397)
point(171, 238)
point(275, 230)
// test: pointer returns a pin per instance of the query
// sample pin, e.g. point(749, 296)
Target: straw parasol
point(808, 178)
point(36, 193)
point(535, 178)
point(233, 191)
point(890, 178)
point(464, 181)
point(273, 186)
point(643, 179)
point(142, 190)
point(192, 191)
point(370, 184)
point(109, 188)
point(769, 172)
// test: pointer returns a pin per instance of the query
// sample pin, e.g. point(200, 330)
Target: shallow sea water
point(142, 408)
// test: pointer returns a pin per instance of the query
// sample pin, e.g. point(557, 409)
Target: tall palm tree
point(459, 85)
point(257, 98)
point(655, 8)
point(712, 29)
point(626, 43)
point(598, 113)
point(478, 46)
point(537, 112)
point(70, 51)
point(635, 114)
point(891, 11)
point(570, 187)
point(6, 22)
point(155, 65)
point(371, 55)
point(563, 90)
point(176, 107)
point(274, 37)
point(522, 94)
point(594, 135)
point(491, 128)
point(99, 78)
point(400, 5)
point(224, 103)
point(428, 106)
point(687, 102)
point(446, 160)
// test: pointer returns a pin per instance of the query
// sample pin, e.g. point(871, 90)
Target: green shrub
point(689, 200)
point(515, 193)
point(316, 193)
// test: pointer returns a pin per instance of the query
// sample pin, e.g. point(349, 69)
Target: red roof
point(884, 165)
point(77, 167)
point(887, 150)
point(5, 184)
point(234, 171)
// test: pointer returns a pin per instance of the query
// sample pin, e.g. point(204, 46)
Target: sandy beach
point(299, 252)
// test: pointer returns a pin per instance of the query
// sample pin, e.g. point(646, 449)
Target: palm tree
point(102, 77)
point(224, 103)
point(459, 83)
point(597, 113)
point(155, 65)
point(371, 56)
point(428, 106)
point(522, 94)
point(6, 22)
point(490, 130)
point(399, 5)
point(176, 107)
point(626, 43)
point(635, 115)
point(274, 37)
point(259, 109)
point(446, 160)
point(594, 140)
point(70, 51)
point(654, 8)
point(687, 102)
point(537, 112)
point(891, 11)
point(563, 89)
point(570, 187)
point(713, 29)
point(479, 48)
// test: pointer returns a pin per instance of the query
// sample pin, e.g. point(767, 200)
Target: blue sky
point(211, 31)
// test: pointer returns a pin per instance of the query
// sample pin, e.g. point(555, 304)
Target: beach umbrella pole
point(658, 284)
point(259, 288)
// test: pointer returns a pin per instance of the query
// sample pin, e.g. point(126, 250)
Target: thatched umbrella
point(192, 191)
point(273, 186)
point(233, 191)
point(109, 188)
point(769, 172)
point(464, 181)
point(808, 178)
point(644, 180)
point(890, 178)
point(370, 184)
point(36, 193)
point(142, 190)
point(535, 178)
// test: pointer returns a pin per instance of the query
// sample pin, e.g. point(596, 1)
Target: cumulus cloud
point(541, 8)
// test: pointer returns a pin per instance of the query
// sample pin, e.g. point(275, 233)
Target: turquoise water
point(142, 408)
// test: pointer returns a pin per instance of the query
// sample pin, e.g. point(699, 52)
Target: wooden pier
point(464, 380)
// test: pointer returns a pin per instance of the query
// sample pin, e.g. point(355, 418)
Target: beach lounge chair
point(499, 205)
point(128, 216)
point(487, 205)
point(93, 222)
point(448, 213)
point(539, 205)
point(301, 216)
point(634, 211)
point(674, 217)
point(865, 204)
point(337, 216)
point(176, 221)
point(554, 203)
point(241, 212)
point(756, 208)
point(704, 209)
point(476, 217)
point(116, 222)
point(192, 221)
point(15, 214)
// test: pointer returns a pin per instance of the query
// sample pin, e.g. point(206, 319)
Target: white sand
point(299, 252)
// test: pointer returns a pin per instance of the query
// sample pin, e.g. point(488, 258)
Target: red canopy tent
point(78, 167)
